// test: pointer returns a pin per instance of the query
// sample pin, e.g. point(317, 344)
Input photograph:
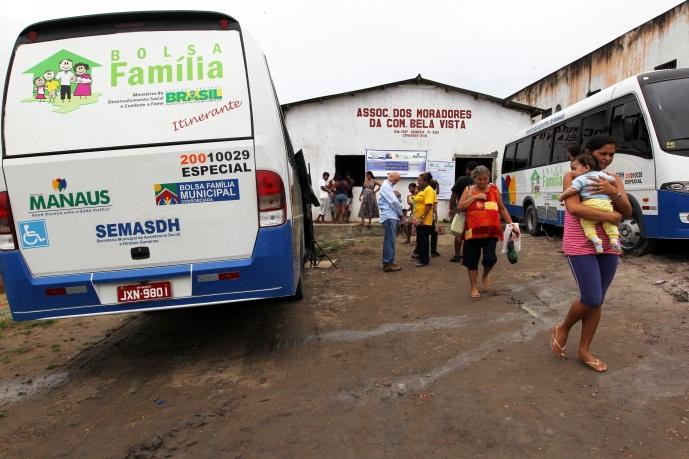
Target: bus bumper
point(672, 221)
point(269, 273)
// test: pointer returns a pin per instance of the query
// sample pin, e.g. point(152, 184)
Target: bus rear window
point(127, 89)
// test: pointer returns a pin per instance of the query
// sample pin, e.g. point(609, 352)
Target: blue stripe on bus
point(514, 210)
point(267, 274)
point(667, 224)
point(518, 211)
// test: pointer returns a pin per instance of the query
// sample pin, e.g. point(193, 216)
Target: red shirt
point(483, 217)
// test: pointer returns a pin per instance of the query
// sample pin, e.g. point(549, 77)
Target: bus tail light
point(8, 237)
point(272, 207)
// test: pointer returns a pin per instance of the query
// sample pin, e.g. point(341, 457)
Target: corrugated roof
point(421, 80)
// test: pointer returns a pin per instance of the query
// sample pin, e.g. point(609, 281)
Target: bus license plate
point(144, 292)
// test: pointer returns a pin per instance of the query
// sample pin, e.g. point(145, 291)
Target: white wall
point(331, 127)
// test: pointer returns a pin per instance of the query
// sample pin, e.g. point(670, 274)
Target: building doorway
point(461, 164)
point(354, 165)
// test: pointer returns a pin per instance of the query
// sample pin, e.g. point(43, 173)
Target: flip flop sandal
point(596, 365)
point(558, 351)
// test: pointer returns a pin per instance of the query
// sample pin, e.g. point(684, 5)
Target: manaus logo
point(59, 184)
point(63, 81)
point(55, 201)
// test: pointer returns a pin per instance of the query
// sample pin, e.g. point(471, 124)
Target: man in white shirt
point(324, 197)
point(65, 76)
point(390, 213)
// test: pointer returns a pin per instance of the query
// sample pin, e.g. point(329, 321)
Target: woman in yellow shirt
point(423, 211)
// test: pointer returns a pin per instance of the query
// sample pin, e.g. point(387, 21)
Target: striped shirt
point(574, 240)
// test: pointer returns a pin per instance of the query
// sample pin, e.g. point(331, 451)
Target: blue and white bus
point(147, 166)
point(648, 115)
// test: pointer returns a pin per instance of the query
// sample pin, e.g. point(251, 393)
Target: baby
point(584, 169)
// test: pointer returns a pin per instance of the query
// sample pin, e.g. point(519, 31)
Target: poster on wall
point(409, 163)
point(444, 173)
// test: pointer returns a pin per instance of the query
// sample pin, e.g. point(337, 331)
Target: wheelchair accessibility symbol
point(33, 234)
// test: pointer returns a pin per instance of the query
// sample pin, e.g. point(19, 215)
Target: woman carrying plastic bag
point(483, 205)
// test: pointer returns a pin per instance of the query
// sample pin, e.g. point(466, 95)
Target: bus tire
point(631, 236)
point(299, 292)
point(531, 216)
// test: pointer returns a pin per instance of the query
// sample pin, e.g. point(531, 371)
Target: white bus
point(648, 115)
point(147, 167)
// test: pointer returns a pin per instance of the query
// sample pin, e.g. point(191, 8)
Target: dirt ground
point(367, 365)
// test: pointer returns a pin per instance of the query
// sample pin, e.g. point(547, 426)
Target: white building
point(443, 122)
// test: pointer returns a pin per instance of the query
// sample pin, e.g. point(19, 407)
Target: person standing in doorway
point(324, 197)
point(333, 204)
point(350, 195)
point(457, 191)
point(423, 211)
point(340, 186)
point(390, 214)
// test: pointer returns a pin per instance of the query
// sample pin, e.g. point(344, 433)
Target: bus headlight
point(679, 187)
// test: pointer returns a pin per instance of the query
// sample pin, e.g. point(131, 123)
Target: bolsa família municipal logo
point(166, 194)
point(63, 81)
point(196, 192)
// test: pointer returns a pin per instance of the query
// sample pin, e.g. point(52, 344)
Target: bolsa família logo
point(167, 194)
point(62, 200)
point(64, 81)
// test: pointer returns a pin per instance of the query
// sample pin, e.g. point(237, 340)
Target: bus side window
point(508, 159)
point(628, 128)
point(521, 157)
point(593, 125)
point(542, 146)
point(565, 135)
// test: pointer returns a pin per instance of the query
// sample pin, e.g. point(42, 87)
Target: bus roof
point(599, 98)
point(99, 24)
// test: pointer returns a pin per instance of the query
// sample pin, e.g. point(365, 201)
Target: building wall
point(642, 49)
point(333, 127)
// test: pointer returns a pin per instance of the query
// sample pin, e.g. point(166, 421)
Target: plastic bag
point(511, 244)
point(457, 226)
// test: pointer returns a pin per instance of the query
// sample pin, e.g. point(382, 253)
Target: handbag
point(457, 226)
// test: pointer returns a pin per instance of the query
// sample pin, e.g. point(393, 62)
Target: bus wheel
point(532, 226)
point(299, 293)
point(631, 238)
